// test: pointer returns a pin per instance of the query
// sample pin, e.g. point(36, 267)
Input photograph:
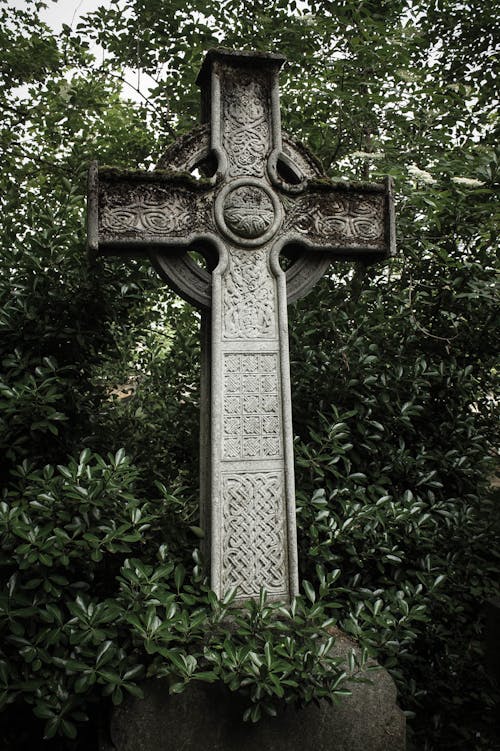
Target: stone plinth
point(208, 717)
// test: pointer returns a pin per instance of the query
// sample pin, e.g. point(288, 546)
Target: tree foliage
point(393, 372)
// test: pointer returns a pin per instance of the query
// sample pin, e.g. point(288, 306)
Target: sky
point(69, 12)
point(65, 11)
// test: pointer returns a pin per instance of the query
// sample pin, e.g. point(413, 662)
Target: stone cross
point(263, 195)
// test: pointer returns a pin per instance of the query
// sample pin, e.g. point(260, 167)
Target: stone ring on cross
point(262, 195)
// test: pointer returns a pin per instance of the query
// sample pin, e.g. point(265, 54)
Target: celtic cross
point(263, 195)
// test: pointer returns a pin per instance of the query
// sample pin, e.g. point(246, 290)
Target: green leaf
point(198, 532)
point(68, 728)
point(177, 688)
point(207, 676)
point(119, 457)
point(104, 653)
point(51, 728)
point(133, 672)
point(179, 575)
point(309, 590)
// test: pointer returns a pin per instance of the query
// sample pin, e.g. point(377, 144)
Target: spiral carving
point(345, 220)
point(167, 218)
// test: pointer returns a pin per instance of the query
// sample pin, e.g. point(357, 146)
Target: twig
point(413, 319)
point(118, 77)
point(339, 122)
point(39, 159)
point(148, 101)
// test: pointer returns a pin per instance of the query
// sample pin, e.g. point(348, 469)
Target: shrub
point(95, 602)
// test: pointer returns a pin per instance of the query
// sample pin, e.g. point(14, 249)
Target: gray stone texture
point(208, 717)
point(262, 194)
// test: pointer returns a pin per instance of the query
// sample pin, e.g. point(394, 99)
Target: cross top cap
point(240, 58)
point(240, 92)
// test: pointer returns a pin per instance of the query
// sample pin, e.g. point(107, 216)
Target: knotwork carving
point(248, 296)
point(158, 212)
point(349, 219)
point(254, 541)
point(251, 423)
point(248, 211)
point(246, 129)
point(184, 154)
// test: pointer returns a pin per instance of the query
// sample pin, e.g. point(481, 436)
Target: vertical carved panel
point(246, 131)
point(254, 539)
point(249, 308)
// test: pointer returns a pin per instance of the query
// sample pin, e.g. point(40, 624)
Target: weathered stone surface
point(208, 717)
point(260, 197)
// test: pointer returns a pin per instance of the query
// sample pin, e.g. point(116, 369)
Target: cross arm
point(133, 212)
point(346, 220)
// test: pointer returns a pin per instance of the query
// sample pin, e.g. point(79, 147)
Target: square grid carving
point(251, 406)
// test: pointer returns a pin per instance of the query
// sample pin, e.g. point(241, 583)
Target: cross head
point(262, 194)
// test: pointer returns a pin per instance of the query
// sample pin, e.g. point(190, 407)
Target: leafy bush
point(94, 602)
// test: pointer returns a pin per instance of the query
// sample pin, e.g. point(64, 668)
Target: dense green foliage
point(392, 368)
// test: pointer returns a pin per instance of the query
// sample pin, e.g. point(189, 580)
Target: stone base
point(208, 717)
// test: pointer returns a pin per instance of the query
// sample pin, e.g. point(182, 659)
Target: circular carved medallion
point(248, 211)
point(191, 281)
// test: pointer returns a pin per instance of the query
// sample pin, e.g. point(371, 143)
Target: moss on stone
point(361, 186)
point(161, 176)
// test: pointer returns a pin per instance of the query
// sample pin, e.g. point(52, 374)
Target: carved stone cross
point(264, 194)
